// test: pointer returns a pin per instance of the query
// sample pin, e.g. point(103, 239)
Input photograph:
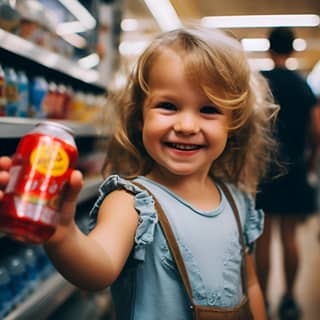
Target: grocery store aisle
point(308, 282)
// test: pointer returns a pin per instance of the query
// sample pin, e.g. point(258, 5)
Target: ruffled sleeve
point(254, 222)
point(144, 205)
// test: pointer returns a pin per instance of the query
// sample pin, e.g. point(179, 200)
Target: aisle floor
point(307, 288)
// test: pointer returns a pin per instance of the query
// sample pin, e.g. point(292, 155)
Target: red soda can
point(41, 166)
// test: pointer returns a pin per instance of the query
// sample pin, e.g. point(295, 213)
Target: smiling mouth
point(184, 147)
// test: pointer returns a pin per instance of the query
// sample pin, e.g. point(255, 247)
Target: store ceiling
point(191, 10)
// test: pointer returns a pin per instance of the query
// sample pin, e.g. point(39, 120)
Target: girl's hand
point(5, 164)
point(69, 200)
point(68, 208)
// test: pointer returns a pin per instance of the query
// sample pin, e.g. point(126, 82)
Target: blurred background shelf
point(40, 303)
point(21, 52)
point(14, 127)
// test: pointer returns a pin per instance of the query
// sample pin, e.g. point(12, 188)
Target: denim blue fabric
point(149, 286)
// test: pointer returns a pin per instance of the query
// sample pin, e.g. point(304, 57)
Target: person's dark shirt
point(296, 99)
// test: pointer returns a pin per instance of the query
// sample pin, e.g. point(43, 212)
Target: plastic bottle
point(6, 294)
point(17, 271)
point(11, 92)
point(39, 89)
point(32, 275)
point(23, 86)
point(2, 92)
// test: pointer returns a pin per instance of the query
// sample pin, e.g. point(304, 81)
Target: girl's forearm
point(256, 300)
point(81, 260)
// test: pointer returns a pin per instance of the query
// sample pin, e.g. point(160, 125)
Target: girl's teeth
point(184, 147)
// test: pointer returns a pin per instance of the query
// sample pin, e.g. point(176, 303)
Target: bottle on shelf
point(17, 271)
point(6, 292)
point(11, 92)
point(2, 92)
point(38, 91)
point(23, 88)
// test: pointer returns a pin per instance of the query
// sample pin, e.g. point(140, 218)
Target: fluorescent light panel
point(89, 61)
point(255, 44)
point(299, 44)
point(164, 13)
point(129, 25)
point(70, 27)
point(256, 21)
point(313, 79)
point(75, 40)
point(132, 48)
point(263, 44)
point(292, 63)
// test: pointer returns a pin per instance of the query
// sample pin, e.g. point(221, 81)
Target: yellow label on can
point(50, 159)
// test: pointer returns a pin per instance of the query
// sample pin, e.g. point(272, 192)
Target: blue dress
point(149, 286)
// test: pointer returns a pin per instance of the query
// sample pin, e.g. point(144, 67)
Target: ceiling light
point(263, 21)
point(90, 61)
point(132, 48)
point(313, 78)
point(261, 63)
point(164, 13)
point(129, 24)
point(255, 44)
point(299, 44)
point(292, 63)
point(263, 44)
point(75, 40)
point(70, 27)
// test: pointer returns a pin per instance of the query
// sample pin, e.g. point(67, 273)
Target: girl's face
point(183, 131)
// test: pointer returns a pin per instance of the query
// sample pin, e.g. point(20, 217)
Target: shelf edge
point(31, 51)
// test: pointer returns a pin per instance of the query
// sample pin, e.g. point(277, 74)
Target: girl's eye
point(210, 110)
point(167, 106)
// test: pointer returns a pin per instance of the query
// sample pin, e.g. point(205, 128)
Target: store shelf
point(49, 59)
point(38, 305)
point(37, 61)
point(14, 127)
point(52, 292)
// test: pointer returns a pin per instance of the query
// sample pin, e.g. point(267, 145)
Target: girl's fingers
point(69, 200)
point(5, 163)
point(74, 186)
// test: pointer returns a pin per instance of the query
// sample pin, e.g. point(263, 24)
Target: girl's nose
point(187, 124)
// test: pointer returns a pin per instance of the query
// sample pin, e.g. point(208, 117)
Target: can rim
point(56, 124)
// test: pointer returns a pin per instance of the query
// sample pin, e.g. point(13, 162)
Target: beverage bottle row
point(20, 274)
point(14, 92)
point(21, 96)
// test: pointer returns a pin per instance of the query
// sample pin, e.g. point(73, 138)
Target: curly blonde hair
point(216, 62)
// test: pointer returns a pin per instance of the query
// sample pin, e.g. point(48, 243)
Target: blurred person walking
point(287, 199)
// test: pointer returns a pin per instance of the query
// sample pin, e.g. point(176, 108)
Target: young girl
point(193, 114)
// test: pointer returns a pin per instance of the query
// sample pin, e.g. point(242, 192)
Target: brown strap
point(173, 245)
point(235, 210)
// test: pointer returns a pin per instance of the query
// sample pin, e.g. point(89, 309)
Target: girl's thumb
point(72, 190)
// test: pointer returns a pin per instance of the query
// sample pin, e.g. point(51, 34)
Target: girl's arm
point(256, 299)
point(93, 262)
